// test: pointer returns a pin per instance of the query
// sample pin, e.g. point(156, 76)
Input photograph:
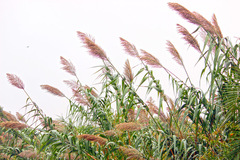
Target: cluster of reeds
point(117, 123)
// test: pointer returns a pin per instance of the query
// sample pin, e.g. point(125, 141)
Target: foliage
point(117, 123)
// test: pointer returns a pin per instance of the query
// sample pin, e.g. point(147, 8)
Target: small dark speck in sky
point(27, 46)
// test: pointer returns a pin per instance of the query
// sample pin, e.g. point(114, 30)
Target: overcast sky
point(35, 33)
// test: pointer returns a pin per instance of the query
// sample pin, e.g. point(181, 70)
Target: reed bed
point(116, 123)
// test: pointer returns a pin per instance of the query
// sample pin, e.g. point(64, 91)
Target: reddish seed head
point(68, 66)
point(15, 81)
point(53, 90)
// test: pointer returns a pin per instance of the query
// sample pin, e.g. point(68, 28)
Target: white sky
point(49, 28)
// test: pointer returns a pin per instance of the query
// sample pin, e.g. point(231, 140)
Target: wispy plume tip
point(53, 90)
point(68, 66)
point(129, 48)
point(188, 37)
point(174, 52)
point(128, 71)
point(92, 47)
point(150, 59)
point(182, 11)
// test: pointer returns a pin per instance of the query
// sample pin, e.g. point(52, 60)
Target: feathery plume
point(150, 59)
point(128, 71)
point(92, 47)
point(110, 133)
point(9, 116)
point(130, 126)
point(131, 153)
point(68, 66)
point(66, 156)
point(143, 118)
point(152, 107)
point(30, 153)
point(186, 14)
point(188, 37)
point(89, 137)
point(13, 125)
point(2, 139)
point(72, 84)
point(20, 117)
point(90, 37)
point(7, 136)
point(19, 143)
point(92, 91)
point(52, 90)
point(129, 48)
point(5, 156)
point(3, 119)
point(203, 35)
point(58, 125)
point(207, 26)
point(174, 53)
point(171, 103)
point(131, 115)
point(216, 26)
point(80, 98)
point(193, 17)
point(15, 81)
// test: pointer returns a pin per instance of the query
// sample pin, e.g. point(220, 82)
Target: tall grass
point(116, 123)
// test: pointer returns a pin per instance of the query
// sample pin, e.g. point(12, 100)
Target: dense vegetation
point(117, 123)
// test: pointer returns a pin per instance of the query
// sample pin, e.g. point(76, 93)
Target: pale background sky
point(35, 33)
